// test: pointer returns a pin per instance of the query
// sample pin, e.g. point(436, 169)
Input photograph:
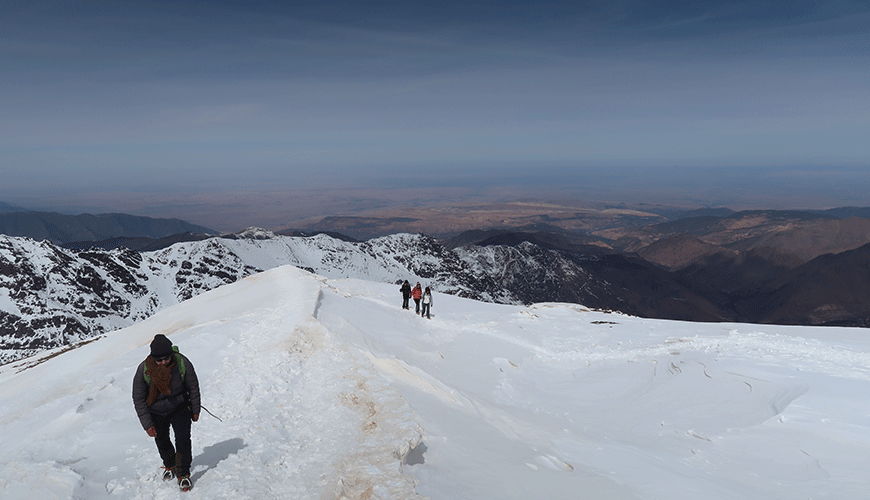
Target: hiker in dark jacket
point(406, 294)
point(166, 393)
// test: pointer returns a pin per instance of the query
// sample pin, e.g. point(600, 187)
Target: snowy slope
point(325, 387)
point(299, 407)
point(51, 296)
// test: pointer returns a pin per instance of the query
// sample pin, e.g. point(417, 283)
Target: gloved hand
point(152, 431)
point(195, 417)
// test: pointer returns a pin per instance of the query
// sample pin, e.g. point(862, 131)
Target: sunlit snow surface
point(327, 389)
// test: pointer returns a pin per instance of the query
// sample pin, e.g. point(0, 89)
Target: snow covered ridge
point(302, 415)
point(327, 389)
point(51, 297)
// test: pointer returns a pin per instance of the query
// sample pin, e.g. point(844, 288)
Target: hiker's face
point(164, 360)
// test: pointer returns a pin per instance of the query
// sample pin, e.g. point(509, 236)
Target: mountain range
point(52, 296)
point(62, 228)
point(783, 267)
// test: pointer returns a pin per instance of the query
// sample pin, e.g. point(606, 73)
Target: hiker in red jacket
point(166, 393)
point(416, 293)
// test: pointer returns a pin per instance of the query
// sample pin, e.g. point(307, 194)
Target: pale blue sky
point(206, 97)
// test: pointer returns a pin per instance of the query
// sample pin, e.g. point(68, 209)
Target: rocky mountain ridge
point(52, 296)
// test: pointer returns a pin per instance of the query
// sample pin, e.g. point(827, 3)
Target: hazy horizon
point(226, 112)
point(234, 210)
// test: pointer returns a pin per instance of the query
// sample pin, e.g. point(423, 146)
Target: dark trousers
point(180, 421)
point(405, 302)
point(417, 301)
point(425, 310)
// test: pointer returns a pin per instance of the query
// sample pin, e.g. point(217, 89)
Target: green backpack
point(178, 361)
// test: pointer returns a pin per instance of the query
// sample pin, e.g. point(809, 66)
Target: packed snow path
point(302, 415)
point(328, 390)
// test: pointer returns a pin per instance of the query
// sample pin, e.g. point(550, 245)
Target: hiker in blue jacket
point(166, 393)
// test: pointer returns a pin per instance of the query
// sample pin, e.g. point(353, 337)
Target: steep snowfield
point(328, 389)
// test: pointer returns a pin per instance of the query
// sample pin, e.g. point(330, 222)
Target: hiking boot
point(168, 473)
point(184, 483)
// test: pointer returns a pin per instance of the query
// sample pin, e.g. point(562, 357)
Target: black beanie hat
point(161, 346)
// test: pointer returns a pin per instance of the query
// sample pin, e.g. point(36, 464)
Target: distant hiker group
point(419, 295)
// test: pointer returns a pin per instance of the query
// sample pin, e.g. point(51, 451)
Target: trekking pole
point(210, 413)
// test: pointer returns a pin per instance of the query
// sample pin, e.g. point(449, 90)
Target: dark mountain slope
point(5, 207)
point(645, 290)
point(846, 212)
point(140, 244)
point(733, 231)
point(788, 238)
point(60, 228)
point(524, 265)
point(832, 289)
point(681, 251)
point(552, 239)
